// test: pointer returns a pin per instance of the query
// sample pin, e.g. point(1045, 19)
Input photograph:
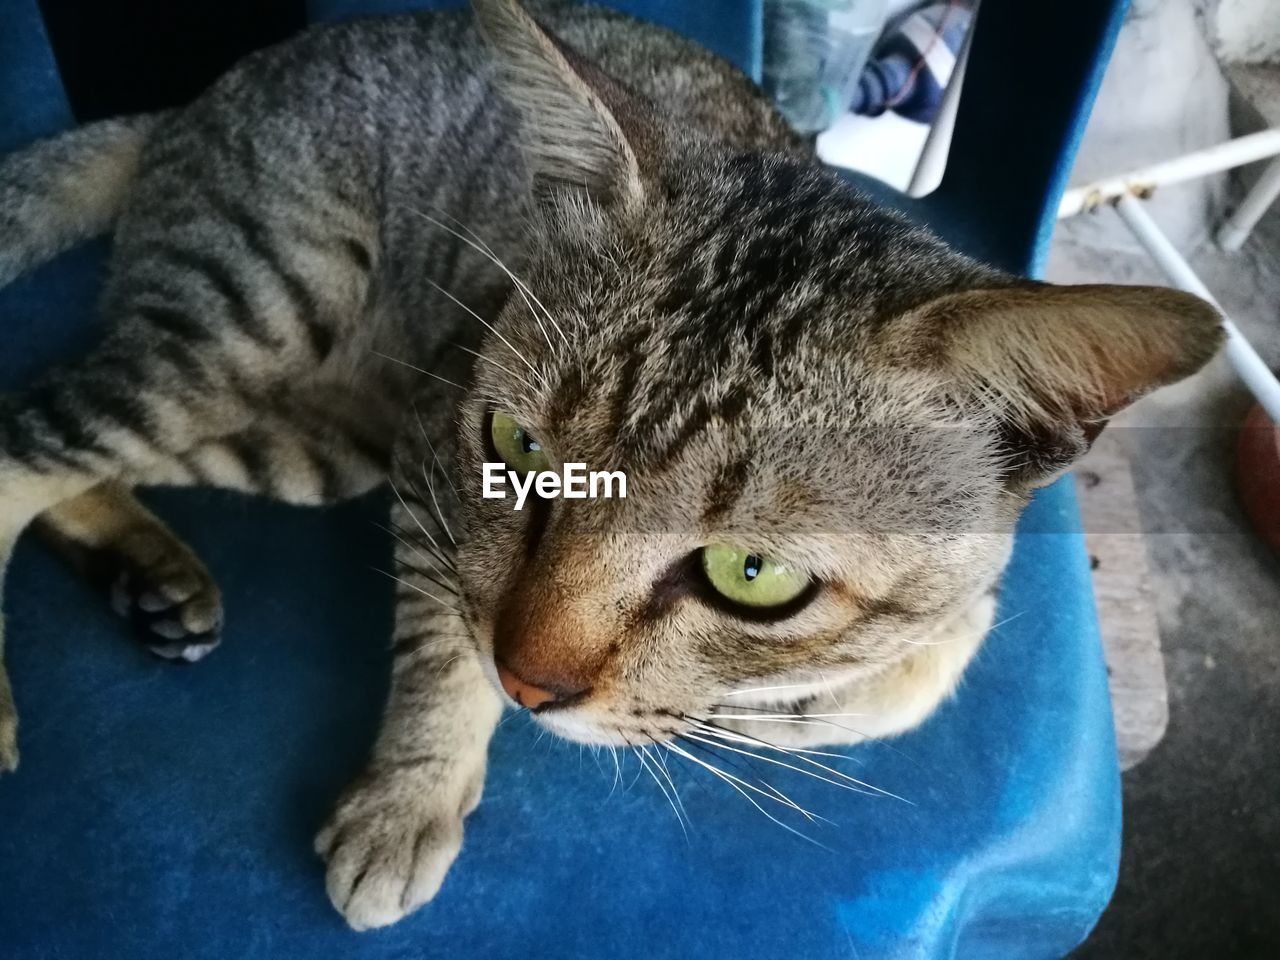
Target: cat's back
point(362, 127)
point(422, 75)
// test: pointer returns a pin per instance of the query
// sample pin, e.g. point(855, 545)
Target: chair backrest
point(731, 28)
point(1033, 74)
point(32, 101)
point(1034, 71)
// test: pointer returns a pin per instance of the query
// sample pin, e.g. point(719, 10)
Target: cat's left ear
point(1056, 362)
point(580, 127)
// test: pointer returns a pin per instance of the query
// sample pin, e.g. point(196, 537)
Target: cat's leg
point(324, 447)
point(223, 295)
point(314, 453)
point(154, 579)
point(125, 407)
point(892, 701)
point(398, 828)
point(151, 407)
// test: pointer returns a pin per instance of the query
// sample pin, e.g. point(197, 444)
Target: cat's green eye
point(750, 579)
point(515, 445)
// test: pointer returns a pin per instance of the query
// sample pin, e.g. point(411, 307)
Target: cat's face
point(828, 421)
point(794, 510)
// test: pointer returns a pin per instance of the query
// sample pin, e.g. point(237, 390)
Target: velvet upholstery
point(163, 811)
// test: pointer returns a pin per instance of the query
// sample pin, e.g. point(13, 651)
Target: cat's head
point(828, 421)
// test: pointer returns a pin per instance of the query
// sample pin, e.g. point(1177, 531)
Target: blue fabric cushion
point(162, 811)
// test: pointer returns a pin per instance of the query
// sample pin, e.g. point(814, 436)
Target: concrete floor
point(1200, 874)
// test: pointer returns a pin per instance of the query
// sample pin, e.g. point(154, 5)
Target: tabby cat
point(829, 421)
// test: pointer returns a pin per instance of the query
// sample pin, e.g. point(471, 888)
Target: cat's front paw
point(389, 844)
point(168, 596)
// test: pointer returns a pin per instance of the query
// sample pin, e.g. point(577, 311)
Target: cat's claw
point(388, 847)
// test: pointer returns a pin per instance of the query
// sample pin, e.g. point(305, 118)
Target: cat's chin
point(572, 725)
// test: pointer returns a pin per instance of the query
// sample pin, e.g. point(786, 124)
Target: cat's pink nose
point(525, 694)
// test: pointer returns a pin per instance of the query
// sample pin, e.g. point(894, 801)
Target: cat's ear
point(1058, 361)
point(578, 125)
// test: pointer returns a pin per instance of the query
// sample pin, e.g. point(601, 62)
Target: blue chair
point(163, 812)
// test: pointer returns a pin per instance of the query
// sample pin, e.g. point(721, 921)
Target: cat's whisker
point(418, 369)
point(709, 749)
point(446, 587)
point(492, 329)
point(426, 533)
point(448, 663)
point(617, 771)
point(435, 643)
point(489, 360)
point(708, 728)
point(740, 706)
point(596, 750)
point(770, 791)
point(431, 488)
point(439, 517)
point(1009, 619)
point(443, 580)
point(442, 556)
point(756, 756)
point(743, 693)
point(514, 713)
point(660, 761)
point(782, 716)
point(413, 586)
point(435, 502)
point(721, 733)
point(484, 249)
point(817, 753)
point(729, 780)
point(419, 545)
point(521, 288)
point(433, 562)
point(790, 721)
point(766, 719)
point(432, 447)
point(634, 780)
point(777, 711)
point(938, 643)
point(526, 293)
point(795, 721)
point(444, 640)
point(826, 682)
point(798, 720)
point(645, 765)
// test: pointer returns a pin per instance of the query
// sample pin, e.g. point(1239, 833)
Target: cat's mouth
point(582, 718)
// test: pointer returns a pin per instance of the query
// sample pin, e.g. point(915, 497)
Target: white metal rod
point(1235, 231)
point(1261, 382)
point(1200, 163)
point(937, 144)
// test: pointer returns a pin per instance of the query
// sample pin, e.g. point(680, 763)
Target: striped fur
point(67, 189)
point(339, 261)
